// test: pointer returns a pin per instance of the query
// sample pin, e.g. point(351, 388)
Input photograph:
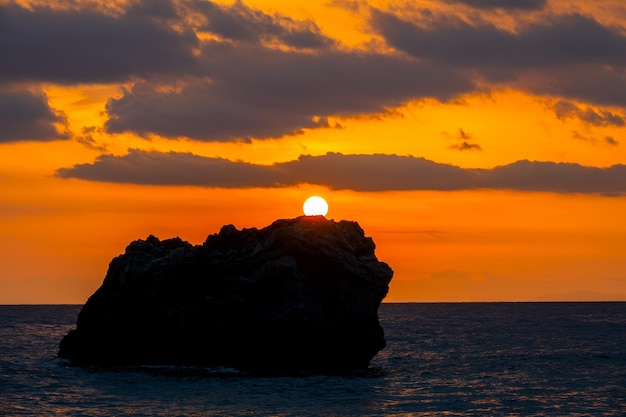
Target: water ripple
point(537, 359)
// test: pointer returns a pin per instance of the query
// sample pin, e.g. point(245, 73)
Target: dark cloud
point(263, 93)
point(373, 172)
point(570, 55)
point(502, 4)
point(603, 118)
point(556, 40)
point(172, 168)
point(156, 9)
point(87, 46)
point(466, 146)
point(26, 115)
point(464, 135)
point(146, 39)
point(604, 85)
point(88, 140)
point(611, 141)
point(239, 22)
point(237, 84)
point(353, 172)
point(565, 109)
point(559, 177)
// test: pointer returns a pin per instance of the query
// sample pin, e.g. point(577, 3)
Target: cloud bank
point(502, 4)
point(565, 109)
point(215, 72)
point(86, 45)
point(569, 55)
point(348, 172)
point(269, 93)
point(26, 115)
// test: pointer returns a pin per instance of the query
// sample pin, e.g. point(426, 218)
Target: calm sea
point(565, 359)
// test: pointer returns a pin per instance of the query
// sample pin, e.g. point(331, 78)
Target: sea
point(441, 359)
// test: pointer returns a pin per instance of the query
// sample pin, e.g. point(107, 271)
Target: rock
point(300, 295)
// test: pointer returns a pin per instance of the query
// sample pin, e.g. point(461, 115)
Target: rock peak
point(246, 299)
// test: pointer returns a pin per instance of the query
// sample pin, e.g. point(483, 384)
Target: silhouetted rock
point(299, 295)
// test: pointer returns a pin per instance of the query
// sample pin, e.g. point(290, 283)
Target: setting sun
point(315, 206)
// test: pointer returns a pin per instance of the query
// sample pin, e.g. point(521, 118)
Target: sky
point(480, 143)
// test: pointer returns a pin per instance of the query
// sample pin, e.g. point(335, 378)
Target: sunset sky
point(480, 143)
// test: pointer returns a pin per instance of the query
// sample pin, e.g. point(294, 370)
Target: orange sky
point(174, 118)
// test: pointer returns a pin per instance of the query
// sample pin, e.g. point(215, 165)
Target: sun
point(315, 206)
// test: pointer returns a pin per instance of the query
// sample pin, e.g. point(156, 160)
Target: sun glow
point(315, 206)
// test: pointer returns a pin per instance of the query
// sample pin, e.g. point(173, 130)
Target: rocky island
point(300, 295)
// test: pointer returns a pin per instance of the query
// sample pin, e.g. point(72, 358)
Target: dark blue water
point(565, 359)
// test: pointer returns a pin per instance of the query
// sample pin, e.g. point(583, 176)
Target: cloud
point(146, 39)
point(26, 115)
point(502, 4)
point(353, 172)
point(254, 92)
point(611, 141)
point(570, 55)
point(88, 140)
point(556, 40)
point(173, 168)
point(257, 76)
point(466, 146)
point(565, 109)
point(464, 135)
point(85, 45)
point(239, 22)
point(215, 72)
point(558, 177)
point(597, 84)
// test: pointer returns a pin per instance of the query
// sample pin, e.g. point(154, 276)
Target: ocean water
point(467, 359)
